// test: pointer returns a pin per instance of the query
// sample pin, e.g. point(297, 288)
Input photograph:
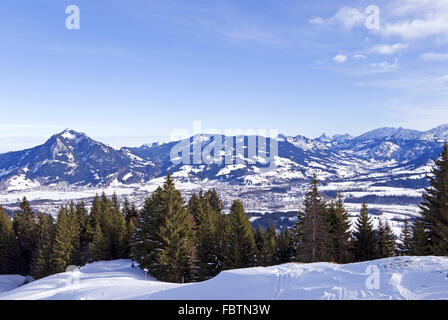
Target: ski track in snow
point(403, 278)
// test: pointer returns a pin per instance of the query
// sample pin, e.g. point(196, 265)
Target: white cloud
point(346, 16)
point(386, 49)
point(349, 17)
point(384, 66)
point(317, 20)
point(418, 28)
point(408, 19)
point(417, 19)
point(416, 85)
point(340, 58)
point(251, 35)
point(432, 56)
point(359, 56)
point(418, 98)
point(219, 20)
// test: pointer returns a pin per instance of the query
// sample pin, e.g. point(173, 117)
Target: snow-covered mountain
point(398, 278)
point(332, 158)
point(73, 158)
point(440, 132)
point(385, 167)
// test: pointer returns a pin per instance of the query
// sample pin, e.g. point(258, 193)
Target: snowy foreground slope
point(399, 278)
point(10, 282)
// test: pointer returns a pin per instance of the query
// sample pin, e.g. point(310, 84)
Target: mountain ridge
point(386, 168)
point(74, 158)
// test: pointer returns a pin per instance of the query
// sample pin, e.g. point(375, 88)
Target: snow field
point(398, 278)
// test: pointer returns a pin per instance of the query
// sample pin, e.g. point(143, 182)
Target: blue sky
point(136, 70)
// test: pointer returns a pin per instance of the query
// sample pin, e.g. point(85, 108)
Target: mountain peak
point(71, 131)
point(70, 134)
point(440, 131)
point(325, 137)
point(336, 139)
point(391, 132)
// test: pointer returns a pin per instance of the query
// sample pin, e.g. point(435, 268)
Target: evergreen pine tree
point(25, 228)
point(339, 231)
point(164, 240)
point(297, 236)
point(214, 200)
point(314, 236)
point(364, 237)
point(435, 206)
point(42, 264)
point(122, 242)
point(259, 243)
point(85, 232)
point(195, 208)
point(206, 241)
point(222, 243)
point(131, 227)
point(221, 226)
point(74, 227)
point(95, 215)
point(62, 250)
point(419, 242)
point(130, 214)
point(129, 211)
point(98, 249)
point(405, 245)
point(144, 241)
point(95, 218)
point(241, 241)
point(118, 230)
point(285, 247)
point(115, 204)
point(385, 240)
point(108, 229)
point(269, 248)
point(11, 261)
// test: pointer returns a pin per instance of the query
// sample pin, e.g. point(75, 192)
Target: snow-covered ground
point(392, 278)
point(10, 282)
